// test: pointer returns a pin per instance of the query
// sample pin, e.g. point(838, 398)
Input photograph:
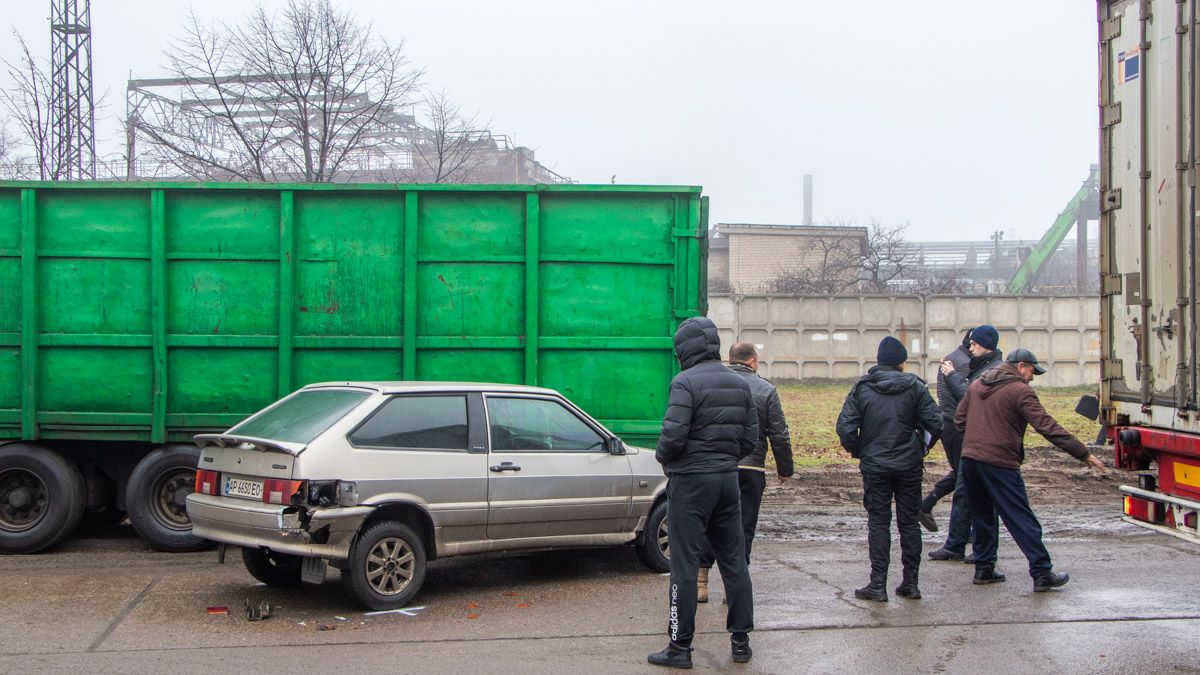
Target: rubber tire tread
point(354, 578)
point(68, 497)
point(137, 499)
point(258, 563)
point(647, 549)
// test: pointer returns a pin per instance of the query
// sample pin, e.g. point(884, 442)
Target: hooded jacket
point(885, 418)
point(994, 413)
point(711, 421)
point(772, 425)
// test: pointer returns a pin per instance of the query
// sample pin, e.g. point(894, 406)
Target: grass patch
point(812, 411)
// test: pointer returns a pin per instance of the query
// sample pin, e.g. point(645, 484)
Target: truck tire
point(42, 497)
point(654, 548)
point(156, 498)
point(273, 569)
point(386, 566)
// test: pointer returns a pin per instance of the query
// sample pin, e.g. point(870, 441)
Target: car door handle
point(504, 466)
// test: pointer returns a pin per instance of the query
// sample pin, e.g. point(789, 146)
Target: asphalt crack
point(838, 591)
point(129, 607)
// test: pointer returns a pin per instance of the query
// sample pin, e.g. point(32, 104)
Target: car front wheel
point(386, 566)
point(654, 549)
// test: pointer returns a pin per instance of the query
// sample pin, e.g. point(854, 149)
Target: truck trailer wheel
point(42, 497)
point(156, 498)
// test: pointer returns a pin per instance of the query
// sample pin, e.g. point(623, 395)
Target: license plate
point(239, 487)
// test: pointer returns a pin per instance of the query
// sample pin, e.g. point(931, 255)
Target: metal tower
point(73, 116)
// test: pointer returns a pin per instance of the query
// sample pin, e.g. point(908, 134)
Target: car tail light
point(207, 482)
point(281, 491)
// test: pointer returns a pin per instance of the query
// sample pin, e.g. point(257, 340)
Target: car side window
point(416, 422)
point(538, 425)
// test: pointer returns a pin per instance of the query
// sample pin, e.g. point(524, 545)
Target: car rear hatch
point(244, 467)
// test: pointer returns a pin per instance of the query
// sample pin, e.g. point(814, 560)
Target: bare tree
point(305, 95)
point(27, 100)
point(832, 269)
point(946, 281)
point(452, 145)
point(889, 256)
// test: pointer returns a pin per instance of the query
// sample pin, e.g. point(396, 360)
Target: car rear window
point(302, 417)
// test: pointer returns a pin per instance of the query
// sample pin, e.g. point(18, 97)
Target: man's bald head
point(744, 353)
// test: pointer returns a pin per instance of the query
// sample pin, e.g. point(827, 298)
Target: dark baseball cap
point(1022, 355)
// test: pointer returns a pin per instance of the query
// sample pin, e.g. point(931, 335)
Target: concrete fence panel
point(817, 337)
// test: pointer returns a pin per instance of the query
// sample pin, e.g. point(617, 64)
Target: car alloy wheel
point(390, 566)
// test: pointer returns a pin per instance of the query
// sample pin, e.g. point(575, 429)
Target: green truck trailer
point(135, 315)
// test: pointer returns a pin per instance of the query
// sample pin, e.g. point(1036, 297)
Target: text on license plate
point(238, 487)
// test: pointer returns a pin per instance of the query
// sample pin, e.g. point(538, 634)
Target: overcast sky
point(959, 118)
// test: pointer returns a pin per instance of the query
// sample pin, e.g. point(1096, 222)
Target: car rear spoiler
point(263, 444)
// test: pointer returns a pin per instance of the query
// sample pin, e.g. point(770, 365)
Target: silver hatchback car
point(378, 478)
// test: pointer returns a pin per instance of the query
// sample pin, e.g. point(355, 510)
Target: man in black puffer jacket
point(889, 422)
point(710, 424)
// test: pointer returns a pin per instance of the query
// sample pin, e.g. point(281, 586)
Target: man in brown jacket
point(993, 415)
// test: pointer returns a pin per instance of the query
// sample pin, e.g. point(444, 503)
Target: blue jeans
point(998, 491)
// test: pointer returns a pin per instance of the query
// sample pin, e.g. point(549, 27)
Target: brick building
point(747, 258)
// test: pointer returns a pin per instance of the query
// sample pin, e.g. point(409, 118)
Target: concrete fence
point(820, 337)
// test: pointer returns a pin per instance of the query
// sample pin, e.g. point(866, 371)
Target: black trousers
point(879, 491)
point(996, 491)
point(752, 485)
point(952, 441)
point(704, 510)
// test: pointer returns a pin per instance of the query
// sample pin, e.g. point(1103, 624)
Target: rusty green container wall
point(153, 311)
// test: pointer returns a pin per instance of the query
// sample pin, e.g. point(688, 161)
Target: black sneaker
point(943, 554)
point(988, 576)
point(927, 521)
point(1050, 580)
point(673, 656)
point(740, 650)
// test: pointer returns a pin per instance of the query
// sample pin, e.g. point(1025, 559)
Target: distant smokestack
point(808, 199)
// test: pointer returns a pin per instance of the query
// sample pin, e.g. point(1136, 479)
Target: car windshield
point(302, 417)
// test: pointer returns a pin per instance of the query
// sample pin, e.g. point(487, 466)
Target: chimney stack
point(808, 199)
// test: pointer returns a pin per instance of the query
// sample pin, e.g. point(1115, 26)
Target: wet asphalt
point(104, 602)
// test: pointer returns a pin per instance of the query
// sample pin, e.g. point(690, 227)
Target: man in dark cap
point(889, 421)
point(984, 356)
point(993, 416)
point(710, 424)
point(947, 400)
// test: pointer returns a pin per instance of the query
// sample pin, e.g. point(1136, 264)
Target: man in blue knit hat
point(984, 356)
point(889, 422)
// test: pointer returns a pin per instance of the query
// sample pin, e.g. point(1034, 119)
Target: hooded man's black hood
point(697, 341)
point(889, 380)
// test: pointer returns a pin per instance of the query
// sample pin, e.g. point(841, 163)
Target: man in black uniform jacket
point(710, 424)
point(889, 422)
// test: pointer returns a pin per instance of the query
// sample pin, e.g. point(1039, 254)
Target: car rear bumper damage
point(320, 533)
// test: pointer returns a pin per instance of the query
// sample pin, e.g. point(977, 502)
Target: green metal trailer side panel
point(151, 311)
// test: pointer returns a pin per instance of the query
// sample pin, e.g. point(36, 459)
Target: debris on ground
point(257, 612)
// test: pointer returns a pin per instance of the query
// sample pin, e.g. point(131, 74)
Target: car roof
point(409, 387)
